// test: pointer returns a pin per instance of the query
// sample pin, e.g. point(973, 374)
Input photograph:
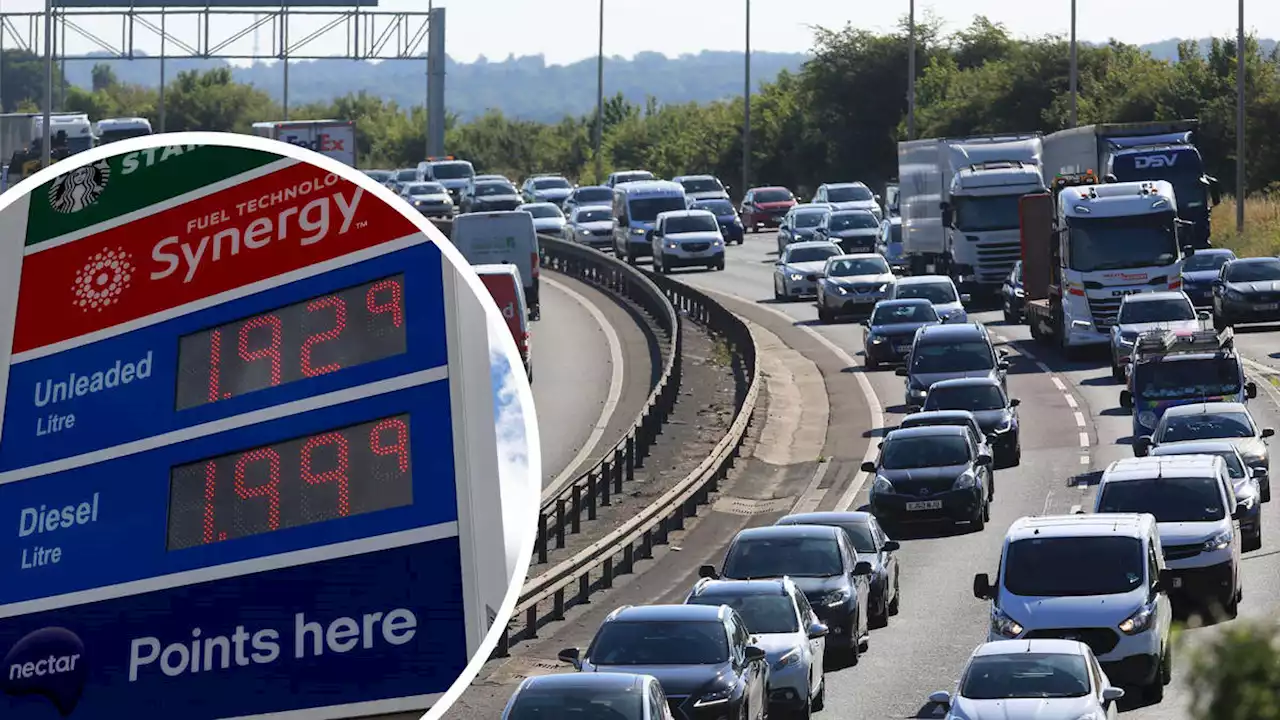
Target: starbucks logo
point(79, 188)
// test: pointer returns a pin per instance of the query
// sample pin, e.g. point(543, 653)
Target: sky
point(520, 487)
point(565, 31)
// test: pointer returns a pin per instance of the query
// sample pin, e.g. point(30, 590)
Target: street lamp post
point(1075, 68)
point(599, 144)
point(1240, 124)
point(746, 108)
point(48, 82)
point(911, 71)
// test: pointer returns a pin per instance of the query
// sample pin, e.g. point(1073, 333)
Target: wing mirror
point(942, 697)
point(865, 322)
point(1003, 365)
point(1142, 446)
point(1251, 390)
point(1267, 432)
point(901, 372)
point(1203, 316)
point(818, 630)
point(965, 297)
point(1258, 472)
point(983, 461)
point(862, 568)
point(1014, 402)
point(755, 654)
point(1126, 399)
point(869, 467)
point(982, 587)
point(571, 656)
point(708, 571)
point(892, 545)
point(1111, 694)
point(1237, 513)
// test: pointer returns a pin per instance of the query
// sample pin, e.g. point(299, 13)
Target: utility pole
point(746, 109)
point(48, 83)
point(911, 71)
point(1241, 189)
point(1075, 68)
point(599, 144)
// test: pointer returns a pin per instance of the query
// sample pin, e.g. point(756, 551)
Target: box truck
point(334, 138)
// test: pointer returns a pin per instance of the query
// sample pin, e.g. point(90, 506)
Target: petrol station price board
point(228, 464)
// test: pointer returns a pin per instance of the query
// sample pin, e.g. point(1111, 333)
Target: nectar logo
point(48, 663)
point(103, 279)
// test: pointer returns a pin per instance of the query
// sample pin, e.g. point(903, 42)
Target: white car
point(1140, 312)
point(797, 270)
point(1044, 679)
point(937, 289)
point(685, 238)
point(547, 217)
point(1244, 478)
point(1193, 500)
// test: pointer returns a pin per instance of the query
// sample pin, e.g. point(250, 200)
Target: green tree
point(1236, 674)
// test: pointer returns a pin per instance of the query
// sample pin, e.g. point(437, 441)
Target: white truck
point(958, 199)
point(1086, 245)
point(114, 129)
point(334, 138)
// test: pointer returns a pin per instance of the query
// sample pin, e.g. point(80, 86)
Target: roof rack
point(1066, 180)
point(1157, 343)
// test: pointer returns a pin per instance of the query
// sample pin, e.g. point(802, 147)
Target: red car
point(766, 206)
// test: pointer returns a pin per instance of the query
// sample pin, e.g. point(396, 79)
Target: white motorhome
point(958, 198)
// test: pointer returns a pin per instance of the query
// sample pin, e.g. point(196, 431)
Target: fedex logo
point(324, 142)
point(1163, 160)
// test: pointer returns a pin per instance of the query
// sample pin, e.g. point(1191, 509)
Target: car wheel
point(1220, 323)
point(777, 296)
point(1266, 490)
point(896, 603)
point(1017, 453)
point(719, 264)
point(820, 700)
point(880, 618)
point(1117, 373)
point(824, 315)
point(1008, 316)
point(1252, 542)
point(979, 519)
point(869, 362)
point(855, 646)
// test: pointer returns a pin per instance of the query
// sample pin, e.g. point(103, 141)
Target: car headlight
point(637, 231)
point(1005, 425)
point(1221, 541)
point(836, 597)
point(583, 231)
point(447, 200)
point(796, 277)
point(715, 697)
point(1256, 458)
point(791, 658)
point(874, 339)
point(881, 485)
point(842, 289)
point(1140, 620)
point(1003, 625)
point(672, 245)
point(1234, 295)
point(883, 288)
point(1147, 419)
point(965, 481)
point(1019, 292)
point(717, 242)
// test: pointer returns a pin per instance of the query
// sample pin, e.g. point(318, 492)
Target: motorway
point(592, 373)
point(824, 413)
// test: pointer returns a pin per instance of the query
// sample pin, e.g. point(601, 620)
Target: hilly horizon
point(525, 87)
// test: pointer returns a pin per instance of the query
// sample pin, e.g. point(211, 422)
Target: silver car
point(592, 226)
point(547, 217)
point(1162, 310)
point(1048, 679)
point(1215, 421)
point(1246, 481)
point(796, 272)
point(937, 289)
point(852, 285)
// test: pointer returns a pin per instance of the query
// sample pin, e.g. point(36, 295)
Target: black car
point(799, 224)
point(1013, 297)
point(931, 473)
point(1247, 291)
point(823, 564)
point(996, 412)
point(871, 544)
point(887, 335)
point(855, 231)
point(730, 224)
point(702, 655)
point(490, 196)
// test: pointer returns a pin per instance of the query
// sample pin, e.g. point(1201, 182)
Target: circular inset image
point(269, 437)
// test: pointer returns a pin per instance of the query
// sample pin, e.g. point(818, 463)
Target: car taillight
point(533, 256)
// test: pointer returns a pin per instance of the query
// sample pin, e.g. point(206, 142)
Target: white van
point(504, 284)
point(1193, 500)
point(1098, 579)
point(506, 236)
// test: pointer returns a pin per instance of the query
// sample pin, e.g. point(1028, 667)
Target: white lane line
point(1084, 459)
point(1079, 418)
point(615, 381)
point(873, 403)
point(1084, 439)
point(813, 494)
point(1071, 401)
point(1057, 382)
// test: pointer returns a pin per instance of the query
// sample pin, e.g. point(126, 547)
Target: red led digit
point(395, 305)
point(269, 489)
point(337, 476)
point(210, 485)
point(339, 323)
point(401, 446)
point(270, 352)
point(215, 368)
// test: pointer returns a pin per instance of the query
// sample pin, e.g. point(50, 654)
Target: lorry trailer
point(334, 138)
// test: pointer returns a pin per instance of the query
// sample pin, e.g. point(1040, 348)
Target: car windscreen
point(427, 189)
point(810, 254)
point(853, 221)
point(691, 224)
point(379, 175)
point(973, 398)
point(406, 175)
point(1252, 271)
point(1209, 377)
point(762, 613)
point(1156, 311)
point(987, 214)
point(648, 209)
point(772, 196)
point(594, 215)
point(1170, 499)
point(769, 557)
point(491, 189)
point(452, 171)
point(922, 420)
point(701, 185)
point(907, 313)
point(580, 703)
point(1203, 261)
point(720, 208)
point(543, 211)
point(1206, 426)
point(924, 451)
point(951, 357)
point(639, 176)
point(1026, 675)
point(854, 267)
point(849, 193)
point(551, 184)
point(1121, 243)
point(809, 219)
point(585, 195)
point(935, 292)
point(1235, 468)
point(1073, 566)
point(697, 642)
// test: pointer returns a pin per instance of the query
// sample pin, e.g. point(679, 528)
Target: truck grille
point(1181, 552)
point(1104, 311)
point(1100, 640)
point(996, 259)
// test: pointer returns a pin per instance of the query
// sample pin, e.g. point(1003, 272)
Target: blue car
point(1200, 270)
point(726, 215)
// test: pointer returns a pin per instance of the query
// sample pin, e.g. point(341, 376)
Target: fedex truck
point(335, 138)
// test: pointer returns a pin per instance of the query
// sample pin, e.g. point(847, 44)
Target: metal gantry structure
point(213, 31)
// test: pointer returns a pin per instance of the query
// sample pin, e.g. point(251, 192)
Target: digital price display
point(355, 470)
point(304, 340)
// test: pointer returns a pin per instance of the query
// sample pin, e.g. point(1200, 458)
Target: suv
point(947, 352)
point(705, 657)
point(1098, 579)
point(1194, 503)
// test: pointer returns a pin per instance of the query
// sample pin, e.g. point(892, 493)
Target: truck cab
point(982, 218)
point(1180, 164)
point(110, 130)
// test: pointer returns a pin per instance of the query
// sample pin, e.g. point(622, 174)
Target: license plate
point(903, 349)
point(924, 505)
point(1177, 582)
point(1267, 307)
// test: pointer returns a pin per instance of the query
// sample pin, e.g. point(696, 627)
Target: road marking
point(1084, 459)
point(813, 495)
point(1071, 401)
point(1084, 439)
point(1057, 382)
point(1079, 418)
point(615, 381)
point(1045, 368)
point(873, 403)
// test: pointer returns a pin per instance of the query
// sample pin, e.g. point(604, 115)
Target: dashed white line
point(1084, 439)
point(1057, 382)
point(1071, 401)
point(1079, 419)
point(1084, 459)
